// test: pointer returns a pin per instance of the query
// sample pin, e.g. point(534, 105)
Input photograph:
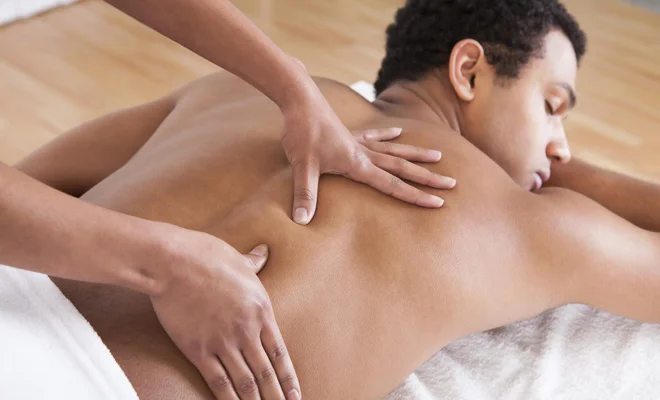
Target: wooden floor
point(72, 64)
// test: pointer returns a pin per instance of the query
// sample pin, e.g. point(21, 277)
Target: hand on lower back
point(317, 142)
point(218, 314)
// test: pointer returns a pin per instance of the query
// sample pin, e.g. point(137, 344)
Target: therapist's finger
point(370, 135)
point(305, 192)
point(411, 153)
point(242, 378)
point(273, 344)
point(263, 371)
point(257, 257)
point(412, 172)
point(395, 187)
point(217, 379)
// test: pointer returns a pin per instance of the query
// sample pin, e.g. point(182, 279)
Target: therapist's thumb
point(305, 192)
point(257, 257)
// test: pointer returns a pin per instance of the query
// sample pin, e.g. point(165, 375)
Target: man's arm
point(630, 198)
point(595, 257)
point(79, 159)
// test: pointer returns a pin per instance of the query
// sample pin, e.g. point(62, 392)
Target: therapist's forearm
point(219, 32)
point(47, 231)
point(633, 199)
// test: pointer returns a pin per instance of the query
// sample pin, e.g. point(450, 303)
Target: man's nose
point(558, 149)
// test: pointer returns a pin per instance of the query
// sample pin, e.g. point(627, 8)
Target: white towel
point(572, 352)
point(11, 10)
point(47, 348)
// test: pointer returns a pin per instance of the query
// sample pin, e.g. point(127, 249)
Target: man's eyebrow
point(571, 93)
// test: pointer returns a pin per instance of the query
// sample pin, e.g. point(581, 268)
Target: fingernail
point(260, 251)
point(451, 182)
point(435, 154)
point(438, 202)
point(397, 131)
point(293, 395)
point(300, 216)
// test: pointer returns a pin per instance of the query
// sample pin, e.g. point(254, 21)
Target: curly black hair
point(425, 32)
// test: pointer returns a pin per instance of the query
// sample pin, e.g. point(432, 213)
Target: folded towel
point(47, 348)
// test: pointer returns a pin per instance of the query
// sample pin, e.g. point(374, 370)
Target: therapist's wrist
point(170, 255)
point(150, 254)
point(298, 89)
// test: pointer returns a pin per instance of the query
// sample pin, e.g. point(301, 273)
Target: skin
point(632, 199)
point(371, 279)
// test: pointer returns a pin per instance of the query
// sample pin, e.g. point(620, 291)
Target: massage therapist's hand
point(317, 142)
point(216, 311)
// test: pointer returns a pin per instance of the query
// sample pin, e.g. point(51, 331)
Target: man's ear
point(465, 62)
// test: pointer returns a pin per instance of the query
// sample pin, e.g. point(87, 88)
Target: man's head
point(511, 63)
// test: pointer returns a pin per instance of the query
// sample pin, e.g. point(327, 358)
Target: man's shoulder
point(220, 86)
point(353, 109)
point(229, 87)
point(332, 85)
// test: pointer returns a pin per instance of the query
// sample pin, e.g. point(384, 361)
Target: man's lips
point(540, 177)
point(538, 182)
point(544, 175)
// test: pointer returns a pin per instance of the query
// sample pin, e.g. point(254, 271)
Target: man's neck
point(430, 99)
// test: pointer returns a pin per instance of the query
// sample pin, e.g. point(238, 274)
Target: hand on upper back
point(218, 314)
point(317, 142)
